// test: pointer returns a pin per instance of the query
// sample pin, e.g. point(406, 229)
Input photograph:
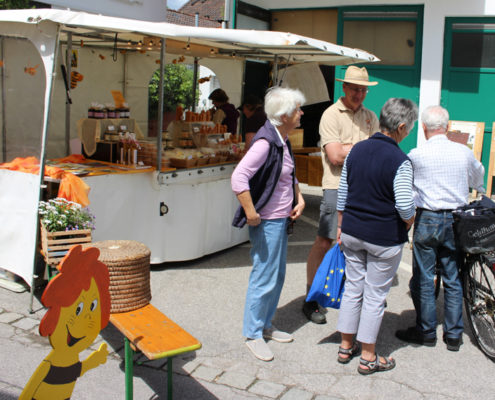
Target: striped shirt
point(443, 173)
point(402, 190)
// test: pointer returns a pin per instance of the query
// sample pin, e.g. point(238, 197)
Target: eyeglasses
point(290, 226)
point(355, 89)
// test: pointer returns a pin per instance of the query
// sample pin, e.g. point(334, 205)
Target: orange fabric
point(73, 158)
point(74, 188)
point(71, 187)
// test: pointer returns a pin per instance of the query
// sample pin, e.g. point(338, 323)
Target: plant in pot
point(63, 224)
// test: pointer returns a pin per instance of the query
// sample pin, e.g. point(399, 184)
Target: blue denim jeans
point(269, 256)
point(434, 240)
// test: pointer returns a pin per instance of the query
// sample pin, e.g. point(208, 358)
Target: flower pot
point(55, 245)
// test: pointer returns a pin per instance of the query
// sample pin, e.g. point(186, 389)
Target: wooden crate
point(315, 171)
point(55, 245)
point(301, 161)
point(183, 162)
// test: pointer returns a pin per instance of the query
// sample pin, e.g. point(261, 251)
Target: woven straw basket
point(128, 264)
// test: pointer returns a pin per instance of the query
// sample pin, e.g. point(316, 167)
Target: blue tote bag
point(328, 285)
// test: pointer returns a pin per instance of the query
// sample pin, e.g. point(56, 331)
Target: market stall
point(179, 213)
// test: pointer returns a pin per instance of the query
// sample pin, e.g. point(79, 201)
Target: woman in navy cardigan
point(265, 184)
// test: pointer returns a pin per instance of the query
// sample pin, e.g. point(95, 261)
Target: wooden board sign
point(469, 133)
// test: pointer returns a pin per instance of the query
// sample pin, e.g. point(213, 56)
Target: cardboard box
point(315, 170)
point(296, 138)
point(301, 161)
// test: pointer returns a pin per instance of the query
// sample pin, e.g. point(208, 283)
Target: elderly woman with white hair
point(265, 184)
point(376, 209)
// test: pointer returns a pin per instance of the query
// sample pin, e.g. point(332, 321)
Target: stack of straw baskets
point(128, 264)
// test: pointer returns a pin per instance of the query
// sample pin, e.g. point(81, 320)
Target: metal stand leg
point(169, 378)
point(129, 373)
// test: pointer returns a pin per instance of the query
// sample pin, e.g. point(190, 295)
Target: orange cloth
point(73, 158)
point(71, 187)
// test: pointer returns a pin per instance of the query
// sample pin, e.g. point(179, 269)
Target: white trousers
point(369, 272)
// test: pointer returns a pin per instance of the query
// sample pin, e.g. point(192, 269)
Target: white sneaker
point(260, 349)
point(279, 336)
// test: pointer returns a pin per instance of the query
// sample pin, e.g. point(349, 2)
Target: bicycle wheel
point(479, 301)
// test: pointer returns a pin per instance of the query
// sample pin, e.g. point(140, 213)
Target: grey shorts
point(328, 214)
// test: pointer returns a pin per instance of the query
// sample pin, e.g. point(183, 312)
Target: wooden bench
point(150, 331)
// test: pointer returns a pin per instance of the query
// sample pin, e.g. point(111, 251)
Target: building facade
point(432, 51)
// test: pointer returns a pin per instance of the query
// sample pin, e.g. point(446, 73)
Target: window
point(473, 49)
point(391, 36)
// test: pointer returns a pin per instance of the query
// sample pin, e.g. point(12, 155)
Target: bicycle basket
point(474, 228)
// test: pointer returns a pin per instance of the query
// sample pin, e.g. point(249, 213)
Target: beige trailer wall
point(318, 24)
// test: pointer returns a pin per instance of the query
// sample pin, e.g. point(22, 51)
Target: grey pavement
point(206, 297)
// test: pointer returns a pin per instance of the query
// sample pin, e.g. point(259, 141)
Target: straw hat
point(358, 76)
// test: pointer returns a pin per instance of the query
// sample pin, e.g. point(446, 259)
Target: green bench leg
point(169, 378)
point(129, 373)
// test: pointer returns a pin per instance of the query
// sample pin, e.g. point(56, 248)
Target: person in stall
point(252, 108)
point(224, 112)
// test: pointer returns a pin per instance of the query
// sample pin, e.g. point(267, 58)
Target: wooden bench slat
point(153, 333)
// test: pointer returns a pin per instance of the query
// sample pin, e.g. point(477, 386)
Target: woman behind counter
point(225, 113)
point(376, 209)
point(265, 184)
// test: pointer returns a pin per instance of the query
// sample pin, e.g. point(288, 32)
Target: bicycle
point(474, 229)
point(478, 277)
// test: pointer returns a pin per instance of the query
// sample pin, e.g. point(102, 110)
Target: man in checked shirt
point(443, 173)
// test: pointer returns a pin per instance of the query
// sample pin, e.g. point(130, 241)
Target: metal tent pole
point(49, 90)
point(68, 66)
point(160, 109)
point(195, 69)
point(4, 115)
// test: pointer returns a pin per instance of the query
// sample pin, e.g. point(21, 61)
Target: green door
point(468, 81)
point(394, 35)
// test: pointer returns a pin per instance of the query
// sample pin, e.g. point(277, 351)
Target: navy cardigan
point(263, 182)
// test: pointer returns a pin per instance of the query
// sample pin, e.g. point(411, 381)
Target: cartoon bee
point(78, 301)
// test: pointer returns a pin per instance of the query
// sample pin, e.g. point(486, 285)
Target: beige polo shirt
point(340, 124)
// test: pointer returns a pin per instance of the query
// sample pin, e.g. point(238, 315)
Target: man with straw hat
point(342, 125)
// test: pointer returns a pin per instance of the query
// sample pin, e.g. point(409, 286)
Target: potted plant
point(63, 224)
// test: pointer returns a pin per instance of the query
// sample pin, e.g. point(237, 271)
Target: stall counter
point(180, 214)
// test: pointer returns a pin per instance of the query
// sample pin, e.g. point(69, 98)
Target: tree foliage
point(177, 88)
point(15, 4)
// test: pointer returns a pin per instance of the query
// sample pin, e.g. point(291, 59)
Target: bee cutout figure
point(78, 301)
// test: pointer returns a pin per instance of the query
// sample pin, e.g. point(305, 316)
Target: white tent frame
point(47, 28)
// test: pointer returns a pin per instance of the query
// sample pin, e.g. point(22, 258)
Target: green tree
point(177, 88)
point(15, 4)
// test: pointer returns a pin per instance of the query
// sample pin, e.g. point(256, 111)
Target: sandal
point(375, 366)
point(355, 350)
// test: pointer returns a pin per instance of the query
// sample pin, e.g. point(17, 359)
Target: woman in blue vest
point(265, 184)
point(376, 209)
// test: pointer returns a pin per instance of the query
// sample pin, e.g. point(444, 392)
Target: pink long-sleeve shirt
point(280, 203)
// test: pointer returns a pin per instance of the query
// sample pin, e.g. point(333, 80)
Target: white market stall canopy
point(129, 34)
point(46, 29)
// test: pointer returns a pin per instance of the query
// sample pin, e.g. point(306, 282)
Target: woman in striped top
point(376, 209)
